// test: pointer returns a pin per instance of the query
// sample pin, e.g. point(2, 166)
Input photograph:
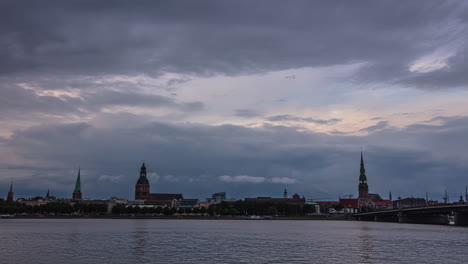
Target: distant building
point(49, 197)
point(296, 200)
point(10, 194)
point(142, 192)
point(167, 199)
point(350, 206)
point(409, 202)
point(142, 187)
point(188, 203)
point(77, 191)
point(327, 206)
point(36, 201)
point(110, 203)
point(365, 199)
point(370, 200)
point(204, 205)
point(216, 198)
point(316, 207)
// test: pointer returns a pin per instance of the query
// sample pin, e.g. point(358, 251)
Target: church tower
point(142, 187)
point(285, 194)
point(77, 191)
point(363, 187)
point(10, 194)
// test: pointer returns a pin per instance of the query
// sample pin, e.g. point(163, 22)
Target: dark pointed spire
point(362, 176)
point(10, 193)
point(390, 196)
point(48, 193)
point(285, 194)
point(78, 182)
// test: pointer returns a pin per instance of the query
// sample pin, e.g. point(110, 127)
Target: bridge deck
point(426, 209)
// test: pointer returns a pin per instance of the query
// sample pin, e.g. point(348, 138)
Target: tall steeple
point(285, 194)
point(363, 187)
point(48, 193)
point(142, 187)
point(362, 176)
point(77, 191)
point(10, 193)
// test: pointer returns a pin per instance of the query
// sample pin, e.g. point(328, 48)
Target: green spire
point(78, 183)
point(362, 176)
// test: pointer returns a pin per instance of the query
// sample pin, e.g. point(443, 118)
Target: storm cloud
point(258, 161)
point(244, 97)
point(222, 37)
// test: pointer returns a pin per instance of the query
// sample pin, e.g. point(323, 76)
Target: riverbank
point(178, 217)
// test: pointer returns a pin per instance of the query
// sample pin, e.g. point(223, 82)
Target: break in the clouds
point(280, 118)
point(244, 97)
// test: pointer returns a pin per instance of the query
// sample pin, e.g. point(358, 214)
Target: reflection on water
point(364, 243)
point(189, 241)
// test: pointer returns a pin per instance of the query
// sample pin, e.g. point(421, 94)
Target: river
point(222, 241)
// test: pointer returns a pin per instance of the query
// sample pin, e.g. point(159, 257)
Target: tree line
point(238, 208)
point(52, 208)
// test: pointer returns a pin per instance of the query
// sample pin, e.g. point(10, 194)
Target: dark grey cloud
point(247, 113)
point(379, 126)
point(222, 37)
point(18, 103)
point(77, 47)
point(127, 98)
point(279, 118)
point(199, 159)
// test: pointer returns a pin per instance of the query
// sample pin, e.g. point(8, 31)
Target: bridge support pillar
point(424, 219)
point(461, 219)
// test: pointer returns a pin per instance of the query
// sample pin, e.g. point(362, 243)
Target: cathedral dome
point(143, 180)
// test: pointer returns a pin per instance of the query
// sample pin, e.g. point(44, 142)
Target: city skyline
point(247, 97)
point(362, 190)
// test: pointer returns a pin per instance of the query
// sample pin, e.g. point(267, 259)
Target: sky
point(246, 97)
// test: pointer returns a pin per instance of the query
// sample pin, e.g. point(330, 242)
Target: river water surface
point(212, 241)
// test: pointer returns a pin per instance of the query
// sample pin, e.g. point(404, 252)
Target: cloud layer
point(238, 96)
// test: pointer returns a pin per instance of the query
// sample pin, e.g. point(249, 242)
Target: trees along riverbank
point(56, 208)
point(238, 208)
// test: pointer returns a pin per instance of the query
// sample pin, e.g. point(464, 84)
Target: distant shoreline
point(302, 218)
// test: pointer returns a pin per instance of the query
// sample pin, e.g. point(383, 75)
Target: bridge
point(438, 215)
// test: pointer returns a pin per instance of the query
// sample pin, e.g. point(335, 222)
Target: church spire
point(362, 176)
point(78, 182)
point(77, 191)
point(10, 193)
